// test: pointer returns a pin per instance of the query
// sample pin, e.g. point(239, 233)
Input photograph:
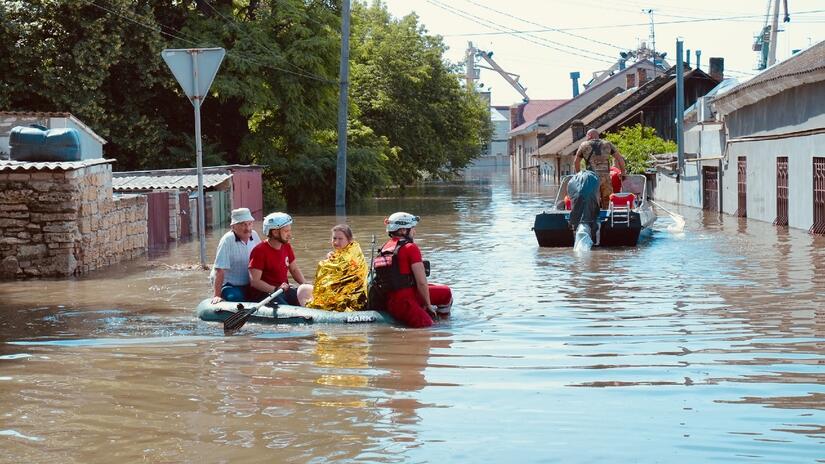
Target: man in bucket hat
point(230, 273)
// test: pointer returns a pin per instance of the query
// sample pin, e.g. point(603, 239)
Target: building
point(531, 133)
point(774, 165)
point(652, 105)
point(495, 153)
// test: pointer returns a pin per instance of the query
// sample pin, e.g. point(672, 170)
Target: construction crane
point(766, 41)
point(472, 72)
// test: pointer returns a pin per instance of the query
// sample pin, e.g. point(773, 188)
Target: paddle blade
point(238, 319)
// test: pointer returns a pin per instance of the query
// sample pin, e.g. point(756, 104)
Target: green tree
point(637, 144)
point(404, 90)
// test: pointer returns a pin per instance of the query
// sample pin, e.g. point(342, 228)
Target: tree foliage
point(637, 144)
point(274, 100)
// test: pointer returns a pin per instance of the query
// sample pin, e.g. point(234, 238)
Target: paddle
point(678, 219)
point(238, 319)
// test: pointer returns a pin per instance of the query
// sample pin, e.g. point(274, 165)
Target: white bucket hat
point(241, 215)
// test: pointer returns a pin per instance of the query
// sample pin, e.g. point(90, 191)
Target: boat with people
point(628, 216)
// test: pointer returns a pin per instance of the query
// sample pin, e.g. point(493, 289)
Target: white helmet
point(276, 221)
point(401, 220)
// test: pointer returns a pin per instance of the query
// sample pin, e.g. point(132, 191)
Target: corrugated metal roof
point(806, 67)
point(124, 182)
point(7, 165)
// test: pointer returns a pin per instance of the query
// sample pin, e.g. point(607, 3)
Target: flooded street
point(701, 346)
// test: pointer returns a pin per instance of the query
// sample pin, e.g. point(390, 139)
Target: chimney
point(514, 116)
point(687, 58)
point(575, 77)
point(717, 68)
point(622, 63)
point(642, 76)
point(577, 127)
point(698, 56)
point(631, 80)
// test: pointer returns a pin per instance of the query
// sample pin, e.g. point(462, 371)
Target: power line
point(541, 41)
point(616, 26)
point(273, 52)
point(543, 26)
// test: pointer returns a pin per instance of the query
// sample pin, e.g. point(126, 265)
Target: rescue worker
point(597, 152)
point(401, 277)
point(270, 261)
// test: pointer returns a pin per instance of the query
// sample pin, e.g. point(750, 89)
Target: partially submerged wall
point(60, 219)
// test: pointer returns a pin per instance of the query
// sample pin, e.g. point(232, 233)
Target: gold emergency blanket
point(341, 281)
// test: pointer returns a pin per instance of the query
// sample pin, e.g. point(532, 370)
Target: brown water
point(703, 346)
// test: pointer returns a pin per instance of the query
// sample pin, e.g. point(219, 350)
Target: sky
point(542, 41)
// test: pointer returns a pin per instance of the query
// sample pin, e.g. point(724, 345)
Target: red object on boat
point(622, 199)
point(568, 204)
point(616, 178)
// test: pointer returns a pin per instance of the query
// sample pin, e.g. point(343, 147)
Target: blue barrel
point(37, 143)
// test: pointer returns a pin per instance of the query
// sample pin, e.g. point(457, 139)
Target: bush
point(637, 144)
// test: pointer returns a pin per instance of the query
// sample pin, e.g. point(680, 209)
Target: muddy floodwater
point(705, 345)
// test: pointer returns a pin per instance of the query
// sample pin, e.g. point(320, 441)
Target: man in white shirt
point(230, 273)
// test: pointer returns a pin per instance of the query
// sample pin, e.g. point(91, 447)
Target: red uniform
point(273, 264)
point(406, 305)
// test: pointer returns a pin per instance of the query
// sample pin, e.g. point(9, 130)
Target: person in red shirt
point(616, 179)
point(271, 259)
point(400, 273)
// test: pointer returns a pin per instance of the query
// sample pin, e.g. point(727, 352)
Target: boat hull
point(287, 314)
point(552, 229)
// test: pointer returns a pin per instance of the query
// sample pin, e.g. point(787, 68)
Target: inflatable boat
point(287, 314)
point(629, 215)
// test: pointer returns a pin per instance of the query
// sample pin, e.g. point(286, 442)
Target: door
point(742, 186)
point(158, 212)
point(819, 196)
point(781, 191)
point(710, 188)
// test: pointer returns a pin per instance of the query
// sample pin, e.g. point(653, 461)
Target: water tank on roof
point(38, 143)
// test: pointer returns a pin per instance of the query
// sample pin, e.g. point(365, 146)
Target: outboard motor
point(583, 190)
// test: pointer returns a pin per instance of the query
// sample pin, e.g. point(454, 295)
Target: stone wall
point(64, 221)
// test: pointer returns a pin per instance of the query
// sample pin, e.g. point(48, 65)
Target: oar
point(678, 219)
point(238, 319)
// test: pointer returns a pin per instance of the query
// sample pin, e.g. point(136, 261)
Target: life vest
point(387, 272)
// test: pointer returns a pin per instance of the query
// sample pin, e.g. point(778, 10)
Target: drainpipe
point(680, 111)
point(574, 76)
point(698, 56)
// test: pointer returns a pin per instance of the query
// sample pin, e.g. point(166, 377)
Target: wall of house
point(761, 177)
point(58, 223)
point(688, 191)
point(792, 111)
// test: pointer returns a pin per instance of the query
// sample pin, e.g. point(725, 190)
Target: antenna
point(649, 11)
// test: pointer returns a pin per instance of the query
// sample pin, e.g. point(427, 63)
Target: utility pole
point(469, 67)
point(341, 171)
point(774, 30)
point(680, 111)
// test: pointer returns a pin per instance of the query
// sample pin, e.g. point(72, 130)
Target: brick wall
point(56, 223)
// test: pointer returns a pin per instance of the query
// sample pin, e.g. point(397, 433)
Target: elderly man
point(597, 152)
point(230, 273)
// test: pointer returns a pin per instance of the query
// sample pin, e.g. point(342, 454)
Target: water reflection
point(702, 346)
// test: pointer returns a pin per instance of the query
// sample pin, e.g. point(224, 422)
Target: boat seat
point(620, 206)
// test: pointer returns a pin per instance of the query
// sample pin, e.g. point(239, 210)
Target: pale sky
point(593, 32)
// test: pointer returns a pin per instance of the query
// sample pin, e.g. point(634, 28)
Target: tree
point(404, 90)
point(637, 144)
